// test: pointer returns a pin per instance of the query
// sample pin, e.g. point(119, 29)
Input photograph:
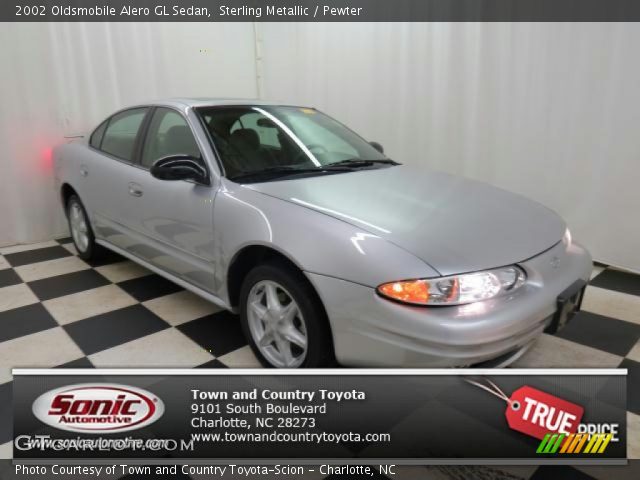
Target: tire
point(87, 248)
point(311, 320)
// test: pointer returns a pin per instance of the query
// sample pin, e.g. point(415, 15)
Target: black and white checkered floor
point(57, 310)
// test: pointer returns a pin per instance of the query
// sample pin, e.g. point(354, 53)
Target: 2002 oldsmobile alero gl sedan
point(326, 248)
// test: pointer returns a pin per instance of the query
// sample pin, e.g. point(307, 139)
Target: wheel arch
point(246, 259)
point(66, 190)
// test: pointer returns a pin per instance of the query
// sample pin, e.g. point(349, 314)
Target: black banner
point(321, 11)
point(411, 418)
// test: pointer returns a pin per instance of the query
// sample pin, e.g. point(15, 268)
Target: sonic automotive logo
point(98, 408)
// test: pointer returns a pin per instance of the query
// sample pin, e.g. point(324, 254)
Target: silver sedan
point(328, 249)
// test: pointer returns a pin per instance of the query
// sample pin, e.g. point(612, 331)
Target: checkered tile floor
point(58, 310)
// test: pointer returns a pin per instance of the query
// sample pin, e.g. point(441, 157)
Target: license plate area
point(567, 305)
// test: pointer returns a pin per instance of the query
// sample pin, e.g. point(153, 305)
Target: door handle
point(135, 190)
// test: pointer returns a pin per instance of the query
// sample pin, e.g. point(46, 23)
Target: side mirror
point(377, 146)
point(180, 167)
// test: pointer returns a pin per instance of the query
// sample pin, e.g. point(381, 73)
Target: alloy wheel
point(277, 325)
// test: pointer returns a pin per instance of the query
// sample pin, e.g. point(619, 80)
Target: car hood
point(454, 224)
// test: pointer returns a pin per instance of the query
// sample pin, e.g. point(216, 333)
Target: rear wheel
point(283, 319)
point(80, 228)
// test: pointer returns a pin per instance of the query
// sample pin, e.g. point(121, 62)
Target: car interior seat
point(247, 142)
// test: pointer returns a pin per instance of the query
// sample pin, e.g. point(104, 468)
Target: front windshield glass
point(258, 139)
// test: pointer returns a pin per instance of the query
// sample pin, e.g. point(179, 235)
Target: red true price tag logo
point(537, 413)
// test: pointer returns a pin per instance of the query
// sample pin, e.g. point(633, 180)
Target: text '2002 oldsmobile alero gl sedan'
point(325, 247)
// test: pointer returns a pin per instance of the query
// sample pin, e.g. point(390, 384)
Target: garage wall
point(548, 110)
point(61, 78)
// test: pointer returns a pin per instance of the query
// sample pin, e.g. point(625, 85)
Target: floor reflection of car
point(326, 248)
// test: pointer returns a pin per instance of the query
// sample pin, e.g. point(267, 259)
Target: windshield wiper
point(285, 170)
point(359, 162)
point(347, 165)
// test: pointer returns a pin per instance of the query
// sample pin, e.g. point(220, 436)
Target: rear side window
point(98, 133)
point(120, 135)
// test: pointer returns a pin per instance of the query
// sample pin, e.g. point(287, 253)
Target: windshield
point(253, 141)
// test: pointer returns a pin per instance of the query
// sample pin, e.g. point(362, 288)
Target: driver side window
point(169, 134)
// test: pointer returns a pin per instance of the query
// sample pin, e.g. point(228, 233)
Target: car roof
point(185, 103)
point(209, 102)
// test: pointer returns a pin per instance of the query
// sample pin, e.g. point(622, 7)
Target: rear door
point(173, 219)
point(106, 174)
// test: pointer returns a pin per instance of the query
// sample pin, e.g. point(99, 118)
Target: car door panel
point(104, 173)
point(109, 202)
point(173, 220)
point(174, 225)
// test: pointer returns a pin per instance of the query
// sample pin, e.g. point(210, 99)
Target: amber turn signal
point(412, 291)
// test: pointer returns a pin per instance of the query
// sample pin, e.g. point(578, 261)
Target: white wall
point(63, 78)
point(549, 110)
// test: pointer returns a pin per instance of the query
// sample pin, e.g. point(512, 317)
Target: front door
point(174, 219)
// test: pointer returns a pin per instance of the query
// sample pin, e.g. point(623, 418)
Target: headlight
point(456, 289)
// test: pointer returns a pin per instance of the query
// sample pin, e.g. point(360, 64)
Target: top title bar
point(320, 11)
point(322, 371)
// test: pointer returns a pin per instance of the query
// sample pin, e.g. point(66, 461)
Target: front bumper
point(374, 332)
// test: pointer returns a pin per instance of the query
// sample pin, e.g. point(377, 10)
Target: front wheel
point(283, 319)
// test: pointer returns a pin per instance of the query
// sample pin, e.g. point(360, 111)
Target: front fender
point(316, 242)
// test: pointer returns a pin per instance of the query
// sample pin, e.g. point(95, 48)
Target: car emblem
point(555, 262)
